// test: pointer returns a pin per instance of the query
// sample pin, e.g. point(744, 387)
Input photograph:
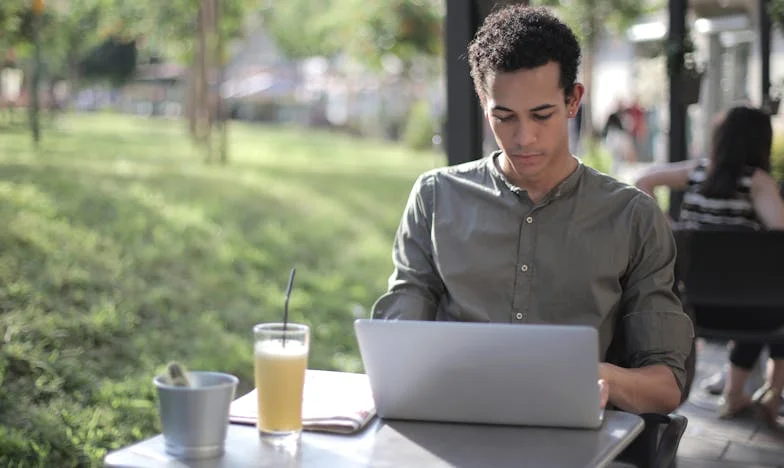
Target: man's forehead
point(525, 86)
point(547, 67)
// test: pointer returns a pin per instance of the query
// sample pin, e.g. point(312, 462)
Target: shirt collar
point(564, 188)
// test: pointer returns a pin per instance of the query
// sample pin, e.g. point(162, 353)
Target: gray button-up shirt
point(473, 247)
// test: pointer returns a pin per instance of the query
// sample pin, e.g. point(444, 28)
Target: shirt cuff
point(403, 306)
point(660, 338)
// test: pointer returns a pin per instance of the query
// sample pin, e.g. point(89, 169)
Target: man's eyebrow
point(533, 109)
point(541, 108)
point(501, 108)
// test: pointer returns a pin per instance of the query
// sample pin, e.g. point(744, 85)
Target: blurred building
point(728, 46)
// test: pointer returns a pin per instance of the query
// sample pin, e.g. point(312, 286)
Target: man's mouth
point(527, 155)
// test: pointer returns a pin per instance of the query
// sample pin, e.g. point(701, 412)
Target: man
point(530, 235)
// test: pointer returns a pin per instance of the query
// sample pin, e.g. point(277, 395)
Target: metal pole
point(463, 115)
point(677, 135)
point(764, 37)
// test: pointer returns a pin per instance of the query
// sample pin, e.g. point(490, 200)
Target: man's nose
point(525, 134)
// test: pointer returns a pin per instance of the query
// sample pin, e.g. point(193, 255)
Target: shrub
point(777, 158)
point(419, 130)
point(596, 156)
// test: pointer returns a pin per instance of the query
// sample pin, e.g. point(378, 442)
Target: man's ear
point(573, 100)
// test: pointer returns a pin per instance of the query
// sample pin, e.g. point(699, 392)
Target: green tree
point(24, 22)
point(301, 28)
point(48, 46)
point(366, 30)
point(776, 10)
point(194, 32)
point(407, 29)
point(10, 22)
point(71, 30)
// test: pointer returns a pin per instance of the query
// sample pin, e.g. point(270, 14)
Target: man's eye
point(542, 117)
point(502, 119)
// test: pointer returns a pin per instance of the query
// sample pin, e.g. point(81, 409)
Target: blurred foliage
point(118, 255)
point(419, 129)
point(365, 30)
point(777, 158)
point(169, 28)
point(597, 156)
point(776, 11)
point(286, 20)
point(74, 29)
point(592, 18)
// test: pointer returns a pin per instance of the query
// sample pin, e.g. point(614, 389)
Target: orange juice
point(280, 378)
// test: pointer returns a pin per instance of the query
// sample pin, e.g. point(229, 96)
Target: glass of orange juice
point(281, 357)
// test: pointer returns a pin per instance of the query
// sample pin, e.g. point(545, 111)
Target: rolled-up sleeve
point(657, 330)
point(415, 286)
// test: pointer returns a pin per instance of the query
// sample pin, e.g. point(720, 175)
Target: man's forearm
point(650, 389)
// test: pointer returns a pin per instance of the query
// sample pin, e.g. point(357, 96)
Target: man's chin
point(529, 170)
point(525, 168)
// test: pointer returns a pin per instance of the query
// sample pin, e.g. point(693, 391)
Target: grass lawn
point(120, 251)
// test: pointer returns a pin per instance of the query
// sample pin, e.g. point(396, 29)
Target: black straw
point(286, 303)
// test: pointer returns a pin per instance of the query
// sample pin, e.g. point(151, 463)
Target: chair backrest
point(732, 268)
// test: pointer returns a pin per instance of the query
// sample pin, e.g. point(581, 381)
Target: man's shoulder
point(471, 170)
point(606, 186)
point(614, 196)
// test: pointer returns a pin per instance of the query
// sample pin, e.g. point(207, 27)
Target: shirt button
point(524, 268)
point(529, 220)
point(519, 316)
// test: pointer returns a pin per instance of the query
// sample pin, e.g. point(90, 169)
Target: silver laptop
point(532, 375)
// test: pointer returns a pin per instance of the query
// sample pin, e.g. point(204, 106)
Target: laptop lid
point(538, 375)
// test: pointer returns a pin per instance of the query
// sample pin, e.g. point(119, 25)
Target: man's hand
point(649, 389)
point(604, 393)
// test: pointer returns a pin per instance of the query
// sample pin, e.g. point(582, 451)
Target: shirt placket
point(525, 268)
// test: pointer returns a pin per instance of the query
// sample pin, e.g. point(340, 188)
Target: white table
point(393, 443)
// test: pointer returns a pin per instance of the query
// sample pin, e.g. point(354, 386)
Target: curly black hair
point(521, 37)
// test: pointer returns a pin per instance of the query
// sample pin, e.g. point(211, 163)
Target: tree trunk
point(73, 78)
point(35, 83)
point(195, 82)
point(54, 105)
point(220, 109)
point(203, 120)
point(190, 96)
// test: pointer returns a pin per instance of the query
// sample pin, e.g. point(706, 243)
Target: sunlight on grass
point(121, 250)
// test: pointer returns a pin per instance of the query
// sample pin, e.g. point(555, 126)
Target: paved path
point(710, 442)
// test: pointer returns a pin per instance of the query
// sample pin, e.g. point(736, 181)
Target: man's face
point(528, 114)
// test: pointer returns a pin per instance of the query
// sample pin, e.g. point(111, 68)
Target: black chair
point(657, 444)
point(732, 282)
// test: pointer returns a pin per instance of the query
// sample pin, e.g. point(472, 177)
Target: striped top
point(699, 211)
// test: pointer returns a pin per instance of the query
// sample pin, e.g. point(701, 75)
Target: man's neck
point(538, 187)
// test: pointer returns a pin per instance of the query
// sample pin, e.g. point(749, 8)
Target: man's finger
point(604, 393)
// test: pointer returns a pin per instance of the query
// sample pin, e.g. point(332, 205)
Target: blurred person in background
point(618, 138)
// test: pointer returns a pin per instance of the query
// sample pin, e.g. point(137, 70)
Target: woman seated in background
point(734, 189)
